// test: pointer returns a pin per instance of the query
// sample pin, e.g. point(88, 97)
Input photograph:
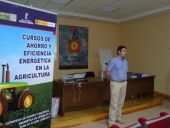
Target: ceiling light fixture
point(62, 2)
point(110, 9)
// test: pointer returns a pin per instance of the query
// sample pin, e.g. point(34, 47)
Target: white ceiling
point(106, 10)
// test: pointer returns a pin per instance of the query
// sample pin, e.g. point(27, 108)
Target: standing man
point(117, 73)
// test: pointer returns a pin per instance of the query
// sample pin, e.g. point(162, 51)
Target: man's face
point(123, 52)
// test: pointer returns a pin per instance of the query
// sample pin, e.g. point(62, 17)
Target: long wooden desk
point(96, 91)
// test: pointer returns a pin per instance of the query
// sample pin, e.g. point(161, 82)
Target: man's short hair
point(120, 48)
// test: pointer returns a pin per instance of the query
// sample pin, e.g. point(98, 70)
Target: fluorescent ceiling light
point(63, 2)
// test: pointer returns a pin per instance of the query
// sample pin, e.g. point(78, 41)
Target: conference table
point(95, 91)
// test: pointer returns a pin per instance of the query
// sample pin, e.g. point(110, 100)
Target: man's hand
point(107, 74)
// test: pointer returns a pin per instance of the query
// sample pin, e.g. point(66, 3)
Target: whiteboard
point(105, 55)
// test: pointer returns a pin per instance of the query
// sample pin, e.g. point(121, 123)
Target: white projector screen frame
point(105, 55)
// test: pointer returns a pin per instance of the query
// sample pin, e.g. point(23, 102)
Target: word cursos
point(35, 38)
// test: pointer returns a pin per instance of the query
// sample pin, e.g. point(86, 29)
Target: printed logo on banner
point(26, 15)
point(8, 16)
point(26, 19)
point(44, 23)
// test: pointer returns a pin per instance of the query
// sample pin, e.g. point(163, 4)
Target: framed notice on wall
point(73, 47)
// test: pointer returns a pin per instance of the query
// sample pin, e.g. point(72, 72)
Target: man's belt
point(118, 80)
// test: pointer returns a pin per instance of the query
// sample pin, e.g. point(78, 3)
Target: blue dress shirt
point(118, 68)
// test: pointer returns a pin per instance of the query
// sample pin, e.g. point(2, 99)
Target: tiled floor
point(131, 118)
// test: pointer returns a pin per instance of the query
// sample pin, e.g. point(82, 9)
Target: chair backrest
point(115, 126)
point(160, 122)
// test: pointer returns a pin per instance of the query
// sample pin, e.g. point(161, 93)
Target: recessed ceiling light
point(63, 2)
point(110, 9)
